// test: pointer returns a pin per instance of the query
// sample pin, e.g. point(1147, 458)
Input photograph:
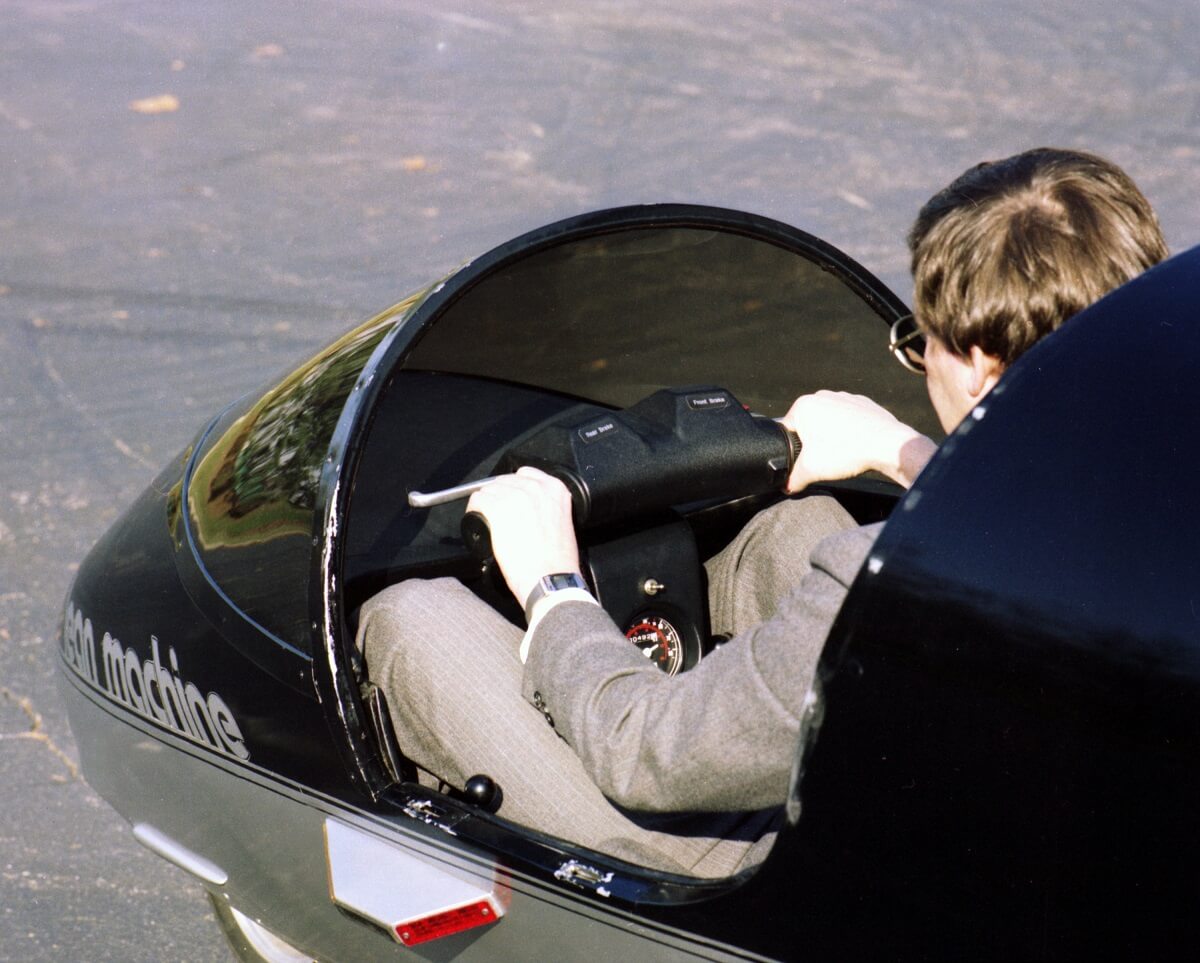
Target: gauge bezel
point(684, 628)
point(666, 630)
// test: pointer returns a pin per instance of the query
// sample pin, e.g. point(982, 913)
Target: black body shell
point(1004, 766)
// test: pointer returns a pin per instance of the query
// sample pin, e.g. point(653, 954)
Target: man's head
point(1010, 250)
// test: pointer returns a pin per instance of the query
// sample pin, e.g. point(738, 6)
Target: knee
point(403, 620)
point(410, 602)
point(808, 518)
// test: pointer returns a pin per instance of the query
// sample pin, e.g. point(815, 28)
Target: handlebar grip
point(794, 443)
point(477, 536)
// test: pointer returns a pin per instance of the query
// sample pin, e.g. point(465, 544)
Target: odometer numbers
point(658, 641)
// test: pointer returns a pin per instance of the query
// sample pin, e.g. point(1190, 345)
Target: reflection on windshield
point(262, 475)
point(252, 495)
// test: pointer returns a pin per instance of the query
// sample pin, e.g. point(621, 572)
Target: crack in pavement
point(68, 398)
point(36, 732)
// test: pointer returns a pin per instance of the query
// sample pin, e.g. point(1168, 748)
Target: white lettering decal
point(227, 727)
point(138, 698)
point(79, 644)
point(206, 733)
point(153, 689)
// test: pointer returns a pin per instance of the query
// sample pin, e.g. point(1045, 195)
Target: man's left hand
point(845, 435)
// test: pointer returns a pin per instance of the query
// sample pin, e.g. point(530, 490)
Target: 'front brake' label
point(708, 402)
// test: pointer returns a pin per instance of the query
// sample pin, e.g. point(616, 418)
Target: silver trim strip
point(159, 842)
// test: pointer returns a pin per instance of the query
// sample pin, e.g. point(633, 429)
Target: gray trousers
point(448, 665)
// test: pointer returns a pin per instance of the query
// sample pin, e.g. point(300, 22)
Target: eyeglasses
point(907, 344)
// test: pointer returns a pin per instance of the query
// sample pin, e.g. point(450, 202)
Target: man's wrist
point(542, 605)
point(914, 455)
point(908, 451)
point(550, 584)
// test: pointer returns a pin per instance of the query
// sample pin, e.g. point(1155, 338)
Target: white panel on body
point(413, 897)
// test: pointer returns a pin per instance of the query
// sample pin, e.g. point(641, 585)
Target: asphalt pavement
point(194, 195)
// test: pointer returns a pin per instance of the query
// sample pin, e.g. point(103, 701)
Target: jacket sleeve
point(719, 737)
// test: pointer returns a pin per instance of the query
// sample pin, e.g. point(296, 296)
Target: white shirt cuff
point(544, 605)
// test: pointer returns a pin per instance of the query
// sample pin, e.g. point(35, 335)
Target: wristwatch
point(553, 583)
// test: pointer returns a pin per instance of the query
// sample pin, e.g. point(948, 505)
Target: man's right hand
point(845, 435)
point(529, 514)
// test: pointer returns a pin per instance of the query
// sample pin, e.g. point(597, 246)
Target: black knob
point(484, 792)
point(477, 535)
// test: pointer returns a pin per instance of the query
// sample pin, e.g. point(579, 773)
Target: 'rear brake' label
point(597, 430)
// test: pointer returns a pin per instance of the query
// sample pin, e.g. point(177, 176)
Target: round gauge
point(659, 641)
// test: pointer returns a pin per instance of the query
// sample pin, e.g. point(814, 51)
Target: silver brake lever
point(429, 499)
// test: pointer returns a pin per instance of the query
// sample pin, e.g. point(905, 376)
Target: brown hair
point(1012, 248)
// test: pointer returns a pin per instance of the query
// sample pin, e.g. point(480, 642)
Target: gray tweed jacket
point(720, 737)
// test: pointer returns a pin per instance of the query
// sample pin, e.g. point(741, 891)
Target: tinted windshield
point(253, 489)
point(605, 318)
point(611, 318)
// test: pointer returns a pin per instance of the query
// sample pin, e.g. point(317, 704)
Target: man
point(689, 773)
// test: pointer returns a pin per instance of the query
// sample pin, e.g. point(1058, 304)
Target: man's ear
point(986, 370)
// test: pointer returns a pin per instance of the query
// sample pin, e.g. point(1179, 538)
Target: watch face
point(552, 583)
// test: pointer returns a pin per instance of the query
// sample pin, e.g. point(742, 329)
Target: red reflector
point(446, 924)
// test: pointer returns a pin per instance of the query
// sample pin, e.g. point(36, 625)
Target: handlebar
point(676, 446)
